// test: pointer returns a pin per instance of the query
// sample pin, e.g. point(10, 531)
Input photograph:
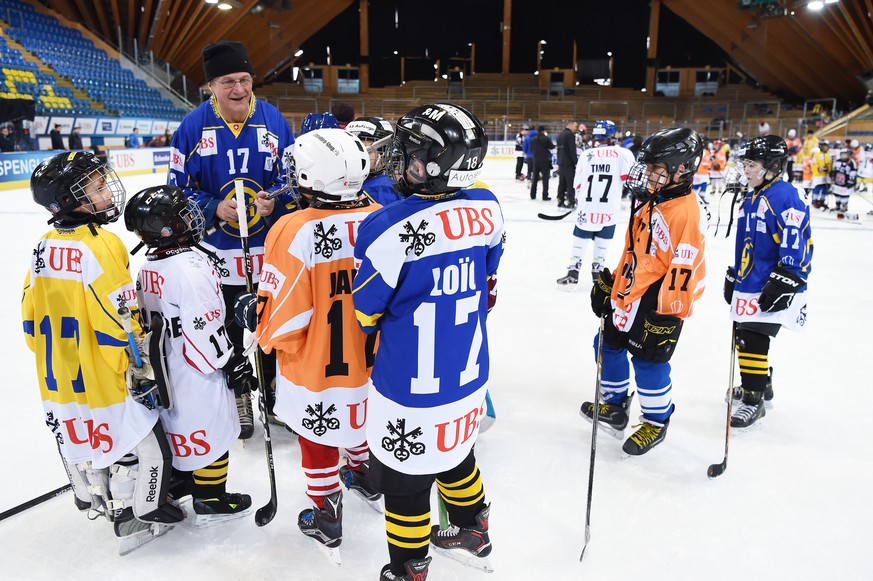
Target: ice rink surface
point(793, 504)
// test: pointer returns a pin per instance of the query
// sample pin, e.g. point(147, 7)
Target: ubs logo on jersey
point(208, 143)
point(128, 295)
point(193, 445)
point(96, 437)
point(151, 282)
point(63, 259)
point(418, 238)
point(466, 221)
point(401, 442)
point(319, 420)
point(270, 280)
point(600, 218)
point(325, 243)
point(464, 428)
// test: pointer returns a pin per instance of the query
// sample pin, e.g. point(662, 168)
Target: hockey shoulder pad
point(157, 354)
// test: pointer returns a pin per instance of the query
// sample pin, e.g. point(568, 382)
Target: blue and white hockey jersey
point(208, 153)
point(381, 190)
point(772, 229)
point(422, 283)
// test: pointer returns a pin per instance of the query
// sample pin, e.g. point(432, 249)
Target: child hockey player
point(660, 276)
point(766, 286)
point(821, 165)
point(369, 130)
point(423, 284)
point(179, 291)
point(306, 314)
point(843, 177)
point(77, 282)
point(600, 175)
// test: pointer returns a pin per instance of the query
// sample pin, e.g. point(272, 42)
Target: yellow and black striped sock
point(464, 497)
point(210, 481)
point(407, 523)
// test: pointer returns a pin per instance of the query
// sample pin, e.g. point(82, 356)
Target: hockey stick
point(34, 501)
point(266, 513)
point(551, 217)
point(718, 469)
point(596, 420)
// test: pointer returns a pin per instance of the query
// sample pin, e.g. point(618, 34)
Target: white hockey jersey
point(184, 289)
point(600, 176)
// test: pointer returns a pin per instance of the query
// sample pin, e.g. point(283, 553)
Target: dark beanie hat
point(343, 112)
point(225, 58)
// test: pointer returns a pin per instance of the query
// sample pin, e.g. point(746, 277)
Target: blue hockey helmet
point(604, 130)
point(318, 121)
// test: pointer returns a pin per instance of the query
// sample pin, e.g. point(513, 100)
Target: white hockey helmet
point(330, 165)
point(792, 133)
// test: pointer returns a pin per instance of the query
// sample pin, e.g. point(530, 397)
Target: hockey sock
point(462, 491)
point(752, 349)
point(210, 481)
point(407, 524)
point(580, 245)
point(601, 245)
point(615, 373)
point(653, 388)
point(358, 455)
point(320, 465)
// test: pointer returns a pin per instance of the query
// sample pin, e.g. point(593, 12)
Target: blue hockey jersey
point(772, 229)
point(381, 190)
point(208, 153)
point(422, 283)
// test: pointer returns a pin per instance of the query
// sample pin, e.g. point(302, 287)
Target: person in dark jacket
point(528, 156)
point(540, 147)
point(519, 152)
point(567, 164)
point(7, 143)
point(75, 140)
point(57, 138)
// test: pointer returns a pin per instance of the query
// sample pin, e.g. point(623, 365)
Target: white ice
point(794, 502)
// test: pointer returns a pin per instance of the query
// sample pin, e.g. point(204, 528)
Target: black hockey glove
point(492, 291)
point(780, 289)
point(659, 337)
point(730, 279)
point(601, 292)
point(239, 373)
point(245, 310)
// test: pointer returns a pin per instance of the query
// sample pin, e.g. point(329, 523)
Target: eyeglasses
point(229, 84)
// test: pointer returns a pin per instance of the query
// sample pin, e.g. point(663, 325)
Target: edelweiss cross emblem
point(39, 263)
point(418, 238)
point(402, 444)
point(324, 244)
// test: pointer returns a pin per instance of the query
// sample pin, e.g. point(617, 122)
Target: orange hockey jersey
point(668, 248)
point(307, 316)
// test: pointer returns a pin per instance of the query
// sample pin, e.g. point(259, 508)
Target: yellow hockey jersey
point(76, 283)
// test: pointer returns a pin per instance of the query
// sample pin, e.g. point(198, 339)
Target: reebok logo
point(153, 484)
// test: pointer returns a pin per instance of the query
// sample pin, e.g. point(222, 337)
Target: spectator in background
point(57, 139)
point(75, 139)
point(763, 128)
point(528, 156)
point(519, 152)
point(540, 148)
point(794, 145)
point(157, 141)
point(343, 112)
point(6, 141)
point(567, 165)
point(133, 139)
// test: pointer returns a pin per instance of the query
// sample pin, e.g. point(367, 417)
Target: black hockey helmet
point(770, 150)
point(67, 181)
point(163, 217)
point(370, 130)
point(437, 149)
point(676, 147)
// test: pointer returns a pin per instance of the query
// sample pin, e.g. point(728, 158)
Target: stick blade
point(265, 514)
point(716, 470)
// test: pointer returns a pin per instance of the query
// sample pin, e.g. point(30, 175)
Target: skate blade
point(332, 553)
point(466, 558)
point(205, 521)
point(131, 543)
point(741, 433)
point(375, 504)
point(601, 427)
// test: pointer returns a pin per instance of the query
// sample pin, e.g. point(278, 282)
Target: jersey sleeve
point(285, 288)
point(185, 169)
point(206, 345)
point(27, 313)
point(791, 230)
point(371, 292)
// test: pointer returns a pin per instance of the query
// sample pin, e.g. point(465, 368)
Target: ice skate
point(325, 526)
point(596, 267)
point(649, 435)
point(745, 418)
point(246, 417)
point(613, 418)
point(738, 391)
point(415, 571)
point(359, 482)
point(228, 507)
point(571, 279)
point(469, 546)
point(133, 533)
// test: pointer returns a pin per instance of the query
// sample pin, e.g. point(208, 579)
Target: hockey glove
point(492, 291)
point(780, 289)
point(660, 335)
point(245, 310)
point(140, 381)
point(601, 293)
point(239, 373)
point(730, 279)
